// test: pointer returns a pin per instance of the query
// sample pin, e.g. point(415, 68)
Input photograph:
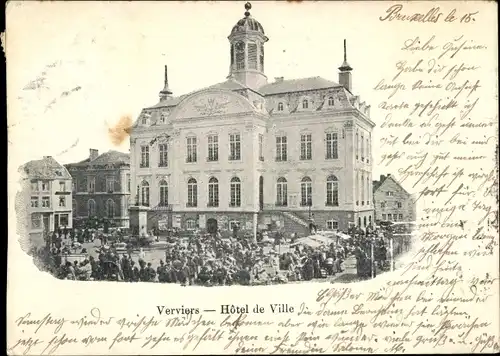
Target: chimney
point(345, 76)
point(382, 178)
point(93, 154)
point(47, 157)
point(278, 79)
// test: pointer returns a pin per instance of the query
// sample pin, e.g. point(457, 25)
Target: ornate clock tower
point(247, 40)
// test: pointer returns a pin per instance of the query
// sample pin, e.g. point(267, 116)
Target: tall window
point(45, 186)
point(110, 208)
point(91, 184)
point(305, 104)
point(144, 156)
point(163, 150)
point(240, 55)
point(213, 192)
point(358, 187)
point(34, 186)
point(362, 148)
point(368, 186)
point(281, 192)
point(36, 221)
point(281, 148)
point(91, 207)
point(191, 149)
point(110, 184)
point(261, 147)
point(62, 186)
point(192, 193)
point(357, 145)
point(163, 193)
point(362, 187)
point(330, 101)
point(75, 207)
point(368, 150)
point(306, 191)
point(261, 57)
point(399, 204)
point(280, 106)
point(62, 202)
point(332, 151)
point(252, 56)
point(128, 182)
point(144, 193)
point(306, 147)
point(235, 147)
point(213, 148)
point(235, 192)
point(74, 185)
point(332, 191)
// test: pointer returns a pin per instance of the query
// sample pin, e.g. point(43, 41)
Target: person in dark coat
point(136, 275)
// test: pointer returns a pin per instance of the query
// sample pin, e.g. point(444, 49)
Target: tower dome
point(248, 23)
point(247, 40)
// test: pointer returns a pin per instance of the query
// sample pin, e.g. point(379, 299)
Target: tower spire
point(166, 92)
point(345, 67)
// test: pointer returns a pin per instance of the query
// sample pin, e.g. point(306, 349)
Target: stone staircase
point(294, 223)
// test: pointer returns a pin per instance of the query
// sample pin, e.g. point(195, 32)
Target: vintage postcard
point(252, 177)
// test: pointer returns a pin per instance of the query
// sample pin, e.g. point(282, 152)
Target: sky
point(76, 68)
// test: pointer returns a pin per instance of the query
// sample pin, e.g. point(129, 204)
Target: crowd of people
point(206, 259)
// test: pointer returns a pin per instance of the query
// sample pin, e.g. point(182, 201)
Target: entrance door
point(46, 222)
point(261, 193)
point(212, 226)
point(56, 222)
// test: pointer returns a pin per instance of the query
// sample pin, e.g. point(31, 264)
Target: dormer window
point(305, 104)
point(280, 106)
point(330, 101)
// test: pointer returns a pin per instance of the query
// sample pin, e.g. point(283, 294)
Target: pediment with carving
point(210, 103)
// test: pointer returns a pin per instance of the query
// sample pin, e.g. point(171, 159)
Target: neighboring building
point(101, 187)
point(392, 202)
point(49, 196)
point(255, 154)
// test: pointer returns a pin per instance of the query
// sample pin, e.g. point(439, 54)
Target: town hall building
point(255, 154)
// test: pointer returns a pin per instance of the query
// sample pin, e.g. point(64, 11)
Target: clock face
point(240, 46)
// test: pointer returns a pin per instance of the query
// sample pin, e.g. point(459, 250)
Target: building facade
point(392, 202)
point(48, 195)
point(101, 187)
point(254, 154)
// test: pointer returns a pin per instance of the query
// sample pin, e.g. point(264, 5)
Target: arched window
point(362, 148)
point(306, 191)
point(192, 193)
point(357, 188)
point(163, 193)
point(213, 192)
point(280, 106)
point(332, 191)
point(357, 145)
point(364, 222)
point(144, 193)
point(281, 192)
point(359, 221)
point(75, 207)
point(305, 104)
point(232, 56)
point(110, 208)
point(362, 187)
point(91, 207)
point(330, 101)
point(235, 192)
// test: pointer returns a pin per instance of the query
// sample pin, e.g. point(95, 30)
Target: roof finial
point(248, 6)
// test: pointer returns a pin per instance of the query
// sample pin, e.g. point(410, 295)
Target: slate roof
point(110, 157)
point(294, 85)
point(46, 168)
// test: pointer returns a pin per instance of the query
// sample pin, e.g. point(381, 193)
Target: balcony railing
point(163, 207)
point(192, 205)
